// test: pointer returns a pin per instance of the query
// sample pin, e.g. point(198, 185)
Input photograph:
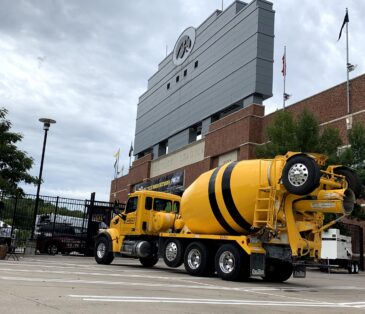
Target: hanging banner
point(171, 183)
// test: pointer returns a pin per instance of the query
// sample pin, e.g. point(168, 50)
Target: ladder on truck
point(265, 213)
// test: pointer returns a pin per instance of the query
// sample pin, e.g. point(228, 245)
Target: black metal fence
point(62, 224)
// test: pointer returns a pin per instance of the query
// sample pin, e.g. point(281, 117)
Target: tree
point(280, 134)
point(14, 163)
point(329, 141)
point(307, 132)
point(301, 134)
point(354, 155)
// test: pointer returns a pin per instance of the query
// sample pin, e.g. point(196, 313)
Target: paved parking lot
point(71, 284)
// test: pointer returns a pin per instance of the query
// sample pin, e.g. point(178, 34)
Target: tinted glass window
point(160, 204)
point(131, 205)
point(176, 207)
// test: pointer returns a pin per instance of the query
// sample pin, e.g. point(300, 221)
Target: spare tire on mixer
point(301, 175)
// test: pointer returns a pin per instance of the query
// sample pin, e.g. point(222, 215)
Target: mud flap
point(299, 271)
point(257, 265)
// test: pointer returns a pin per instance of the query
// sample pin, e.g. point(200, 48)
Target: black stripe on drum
point(214, 204)
point(228, 199)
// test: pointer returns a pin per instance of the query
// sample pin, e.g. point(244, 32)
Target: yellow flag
point(116, 155)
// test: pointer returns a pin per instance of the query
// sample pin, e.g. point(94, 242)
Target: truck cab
point(134, 231)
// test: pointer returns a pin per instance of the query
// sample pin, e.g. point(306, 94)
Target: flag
point(345, 20)
point(116, 156)
point(284, 64)
point(130, 150)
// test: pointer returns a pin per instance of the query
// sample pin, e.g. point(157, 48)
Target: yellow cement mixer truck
point(249, 218)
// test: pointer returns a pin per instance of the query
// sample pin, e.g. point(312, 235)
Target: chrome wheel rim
point(194, 259)
point(298, 174)
point(227, 262)
point(101, 250)
point(171, 251)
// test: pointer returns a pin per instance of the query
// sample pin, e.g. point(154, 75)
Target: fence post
point(361, 236)
point(55, 215)
point(89, 235)
point(14, 215)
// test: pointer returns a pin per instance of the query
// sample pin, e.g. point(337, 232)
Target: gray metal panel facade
point(234, 50)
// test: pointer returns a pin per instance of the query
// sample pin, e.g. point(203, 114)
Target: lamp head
point(46, 123)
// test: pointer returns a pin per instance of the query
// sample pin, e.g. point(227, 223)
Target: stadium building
point(204, 105)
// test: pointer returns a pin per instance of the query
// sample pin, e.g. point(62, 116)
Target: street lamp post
point(46, 124)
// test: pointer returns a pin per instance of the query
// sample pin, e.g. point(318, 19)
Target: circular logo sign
point(184, 46)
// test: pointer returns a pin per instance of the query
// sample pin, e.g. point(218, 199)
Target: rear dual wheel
point(231, 263)
point(353, 268)
point(197, 260)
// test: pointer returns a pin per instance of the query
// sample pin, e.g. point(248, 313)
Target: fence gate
point(62, 224)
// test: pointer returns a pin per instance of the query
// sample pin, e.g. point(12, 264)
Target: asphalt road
point(72, 284)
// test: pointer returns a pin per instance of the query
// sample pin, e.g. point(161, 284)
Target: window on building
point(185, 72)
point(196, 64)
point(168, 86)
point(177, 78)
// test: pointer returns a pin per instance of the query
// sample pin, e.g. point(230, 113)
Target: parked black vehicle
point(53, 238)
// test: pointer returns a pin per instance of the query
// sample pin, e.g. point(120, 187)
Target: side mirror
point(117, 210)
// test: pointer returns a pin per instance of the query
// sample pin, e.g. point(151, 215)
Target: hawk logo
point(184, 46)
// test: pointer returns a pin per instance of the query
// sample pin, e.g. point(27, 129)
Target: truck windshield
point(131, 205)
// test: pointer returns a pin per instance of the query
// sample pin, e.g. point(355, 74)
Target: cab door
point(130, 214)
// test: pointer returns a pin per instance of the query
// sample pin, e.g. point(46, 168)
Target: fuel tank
point(222, 201)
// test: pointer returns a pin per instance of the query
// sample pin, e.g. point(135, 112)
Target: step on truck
point(261, 218)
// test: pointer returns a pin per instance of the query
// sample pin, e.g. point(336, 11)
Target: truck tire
point(52, 248)
point(277, 270)
point(148, 261)
point(102, 252)
point(301, 175)
point(230, 263)
point(197, 260)
point(351, 268)
point(173, 253)
point(353, 180)
point(356, 264)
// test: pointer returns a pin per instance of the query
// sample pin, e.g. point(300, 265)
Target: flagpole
point(284, 76)
point(347, 67)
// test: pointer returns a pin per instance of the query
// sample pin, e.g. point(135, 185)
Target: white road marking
point(138, 299)
point(61, 272)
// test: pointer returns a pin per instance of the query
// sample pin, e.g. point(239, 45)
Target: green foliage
point(280, 134)
point(307, 132)
point(329, 141)
point(354, 156)
point(14, 163)
point(301, 134)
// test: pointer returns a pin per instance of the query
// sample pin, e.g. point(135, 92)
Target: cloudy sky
point(85, 63)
